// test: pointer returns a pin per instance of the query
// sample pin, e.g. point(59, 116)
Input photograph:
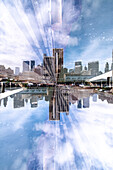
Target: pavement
point(8, 93)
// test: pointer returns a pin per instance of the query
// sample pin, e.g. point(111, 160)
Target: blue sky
point(29, 28)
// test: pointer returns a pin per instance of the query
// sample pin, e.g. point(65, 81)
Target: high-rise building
point(94, 67)
point(58, 54)
point(77, 63)
point(78, 67)
point(85, 68)
point(49, 67)
point(32, 65)
point(106, 67)
point(25, 66)
point(17, 70)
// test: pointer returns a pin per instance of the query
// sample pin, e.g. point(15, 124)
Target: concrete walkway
point(8, 93)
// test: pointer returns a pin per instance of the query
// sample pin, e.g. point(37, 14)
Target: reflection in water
point(86, 102)
point(83, 140)
point(59, 99)
point(34, 101)
point(94, 97)
point(79, 104)
point(58, 102)
point(18, 101)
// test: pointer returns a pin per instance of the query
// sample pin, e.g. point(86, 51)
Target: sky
point(82, 140)
point(30, 28)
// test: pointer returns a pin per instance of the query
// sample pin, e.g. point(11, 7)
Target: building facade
point(58, 55)
point(6, 72)
point(78, 67)
point(25, 66)
point(94, 67)
point(49, 67)
point(32, 65)
point(106, 67)
point(17, 71)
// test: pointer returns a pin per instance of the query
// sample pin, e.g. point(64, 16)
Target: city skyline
point(30, 28)
point(56, 84)
point(31, 66)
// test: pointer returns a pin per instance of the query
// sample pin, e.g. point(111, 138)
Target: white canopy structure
point(103, 76)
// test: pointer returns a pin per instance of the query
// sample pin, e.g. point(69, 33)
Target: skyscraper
point(78, 67)
point(106, 67)
point(49, 67)
point(25, 66)
point(58, 54)
point(32, 65)
point(85, 68)
point(94, 67)
point(17, 70)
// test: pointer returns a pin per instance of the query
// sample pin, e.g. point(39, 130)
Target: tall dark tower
point(58, 54)
point(106, 67)
point(49, 68)
point(32, 64)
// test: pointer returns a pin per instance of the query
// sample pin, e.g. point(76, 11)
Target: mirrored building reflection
point(59, 98)
point(86, 102)
point(79, 104)
point(94, 97)
point(5, 100)
point(58, 103)
point(34, 101)
point(107, 97)
point(18, 101)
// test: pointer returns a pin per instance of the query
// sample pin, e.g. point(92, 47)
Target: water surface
point(56, 129)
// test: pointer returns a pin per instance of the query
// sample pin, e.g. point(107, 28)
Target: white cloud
point(20, 29)
point(65, 39)
point(14, 46)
